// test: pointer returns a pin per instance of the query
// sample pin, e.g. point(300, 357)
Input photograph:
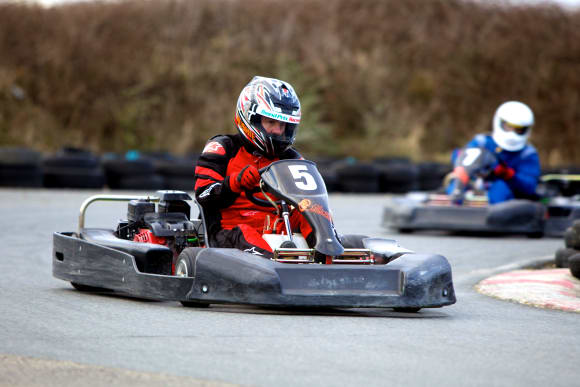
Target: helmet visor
point(279, 134)
point(518, 129)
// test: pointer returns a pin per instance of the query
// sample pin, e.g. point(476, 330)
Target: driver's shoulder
point(227, 140)
point(221, 145)
point(528, 152)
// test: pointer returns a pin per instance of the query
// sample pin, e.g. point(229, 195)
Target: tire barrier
point(569, 256)
point(78, 168)
point(431, 175)
point(355, 177)
point(562, 256)
point(397, 175)
point(327, 169)
point(138, 173)
point(20, 167)
point(574, 263)
point(572, 236)
point(177, 173)
point(73, 168)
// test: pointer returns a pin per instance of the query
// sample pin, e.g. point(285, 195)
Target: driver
point(516, 172)
point(267, 118)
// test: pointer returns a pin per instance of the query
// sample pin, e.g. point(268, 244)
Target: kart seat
point(201, 217)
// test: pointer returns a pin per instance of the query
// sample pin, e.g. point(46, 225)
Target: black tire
point(131, 174)
point(327, 168)
point(407, 310)
point(177, 167)
point(185, 267)
point(431, 175)
point(72, 158)
point(179, 183)
point(358, 177)
point(140, 182)
point(563, 255)
point(397, 175)
point(20, 167)
point(69, 177)
point(87, 288)
point(574, 262)
point(29, 176)
point(572, 238)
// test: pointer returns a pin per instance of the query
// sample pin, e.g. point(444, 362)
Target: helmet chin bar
point(510, 141)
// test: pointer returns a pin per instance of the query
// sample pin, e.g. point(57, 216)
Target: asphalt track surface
point(48, 331)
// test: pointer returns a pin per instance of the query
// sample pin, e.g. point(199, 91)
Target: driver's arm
point(527, 174)
point(211, 183)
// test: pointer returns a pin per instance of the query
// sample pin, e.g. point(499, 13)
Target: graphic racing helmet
point(512, 124)
point(270, 98)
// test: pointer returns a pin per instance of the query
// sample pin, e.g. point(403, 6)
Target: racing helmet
point(270, 98)
point(512, 124)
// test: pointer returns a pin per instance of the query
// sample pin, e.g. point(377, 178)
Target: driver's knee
point(352, 241)
point(245, 238)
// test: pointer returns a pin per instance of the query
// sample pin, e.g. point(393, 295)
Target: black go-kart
point(159, 252)
point(467, 210)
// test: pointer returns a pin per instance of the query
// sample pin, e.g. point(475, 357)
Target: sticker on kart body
point(306, 205)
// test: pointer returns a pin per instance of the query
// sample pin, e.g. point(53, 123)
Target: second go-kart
point(467, 210)
point(160, 253)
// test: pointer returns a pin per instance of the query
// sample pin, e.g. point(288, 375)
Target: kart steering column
point(286, 217)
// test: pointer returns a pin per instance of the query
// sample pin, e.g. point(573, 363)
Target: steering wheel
point(259, 201)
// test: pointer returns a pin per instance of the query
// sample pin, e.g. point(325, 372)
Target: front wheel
point(185, 267)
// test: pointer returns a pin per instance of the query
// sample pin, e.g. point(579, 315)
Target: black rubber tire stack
point(20, 167)
point(397, 175)
point(136, 174)
point(569, 257)
point(73, 168)
point(357, 177)
point(431, 175)
point(327, 169)
point(178, 173)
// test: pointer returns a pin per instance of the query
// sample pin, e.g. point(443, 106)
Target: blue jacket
point(525, 162)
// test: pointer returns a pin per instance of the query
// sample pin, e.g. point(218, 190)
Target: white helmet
point(512, 124)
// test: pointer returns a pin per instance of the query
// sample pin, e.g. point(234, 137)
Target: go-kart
point(160, 253)
point(467, 209)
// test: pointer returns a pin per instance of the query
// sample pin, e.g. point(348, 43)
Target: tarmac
point(541, 286)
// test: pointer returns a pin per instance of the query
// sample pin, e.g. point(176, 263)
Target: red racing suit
point(231, 219)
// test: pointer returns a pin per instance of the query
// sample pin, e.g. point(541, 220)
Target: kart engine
point(169, 225)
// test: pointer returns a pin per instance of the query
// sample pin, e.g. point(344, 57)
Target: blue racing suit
point(523, 180)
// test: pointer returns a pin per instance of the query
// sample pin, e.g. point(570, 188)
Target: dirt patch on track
point(17, 371)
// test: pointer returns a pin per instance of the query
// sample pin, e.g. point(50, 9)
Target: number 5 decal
point(302, 178)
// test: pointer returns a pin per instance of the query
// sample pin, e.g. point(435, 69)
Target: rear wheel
point(185, 267)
